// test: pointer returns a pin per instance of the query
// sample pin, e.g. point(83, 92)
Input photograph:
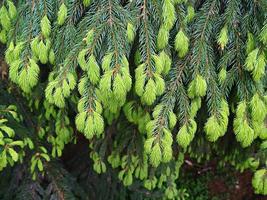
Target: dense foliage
point(146, 82)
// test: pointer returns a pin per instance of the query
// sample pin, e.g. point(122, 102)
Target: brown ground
point(239, 188)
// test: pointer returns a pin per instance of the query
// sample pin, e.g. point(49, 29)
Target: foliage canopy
point(146, 82)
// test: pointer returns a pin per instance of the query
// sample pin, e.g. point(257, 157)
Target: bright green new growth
point(216, 126)
point(223, 37)
point(252, 59)
point(28, 76)
point(186, 134)
point(57, 90)
point(93, 70)
point(259, 181)
point(190, 13)
point(259, 69)
point(195, 106)
point(5, 18)
point(263, 34)
point(89, 120)
point(256, 63)
point(62, 14)
point(163, 38)
point(45, 26)
point(115, 83)
point(130, 32)
point(149, 95)
point(148, 88)
point(90, 124)
point(258, 108)
point(89, 37)
point(181, 43)
point(3, 37)
point(8, 14)
point(137, 115)
point(250, 43)
point(86, 2)
point(43, 51)
point(12, 147)
point(81, 59)
point(168, 14)
point(222, 75)
point(258, 115)
point(159, 151)
point(12, 10)
point(244, 132)
point(197, 88)
point(166, 62)
point(144, 69)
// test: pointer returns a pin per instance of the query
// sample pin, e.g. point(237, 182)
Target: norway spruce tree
point(144, 82)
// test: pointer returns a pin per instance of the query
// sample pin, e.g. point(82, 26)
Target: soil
point(226, 184)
